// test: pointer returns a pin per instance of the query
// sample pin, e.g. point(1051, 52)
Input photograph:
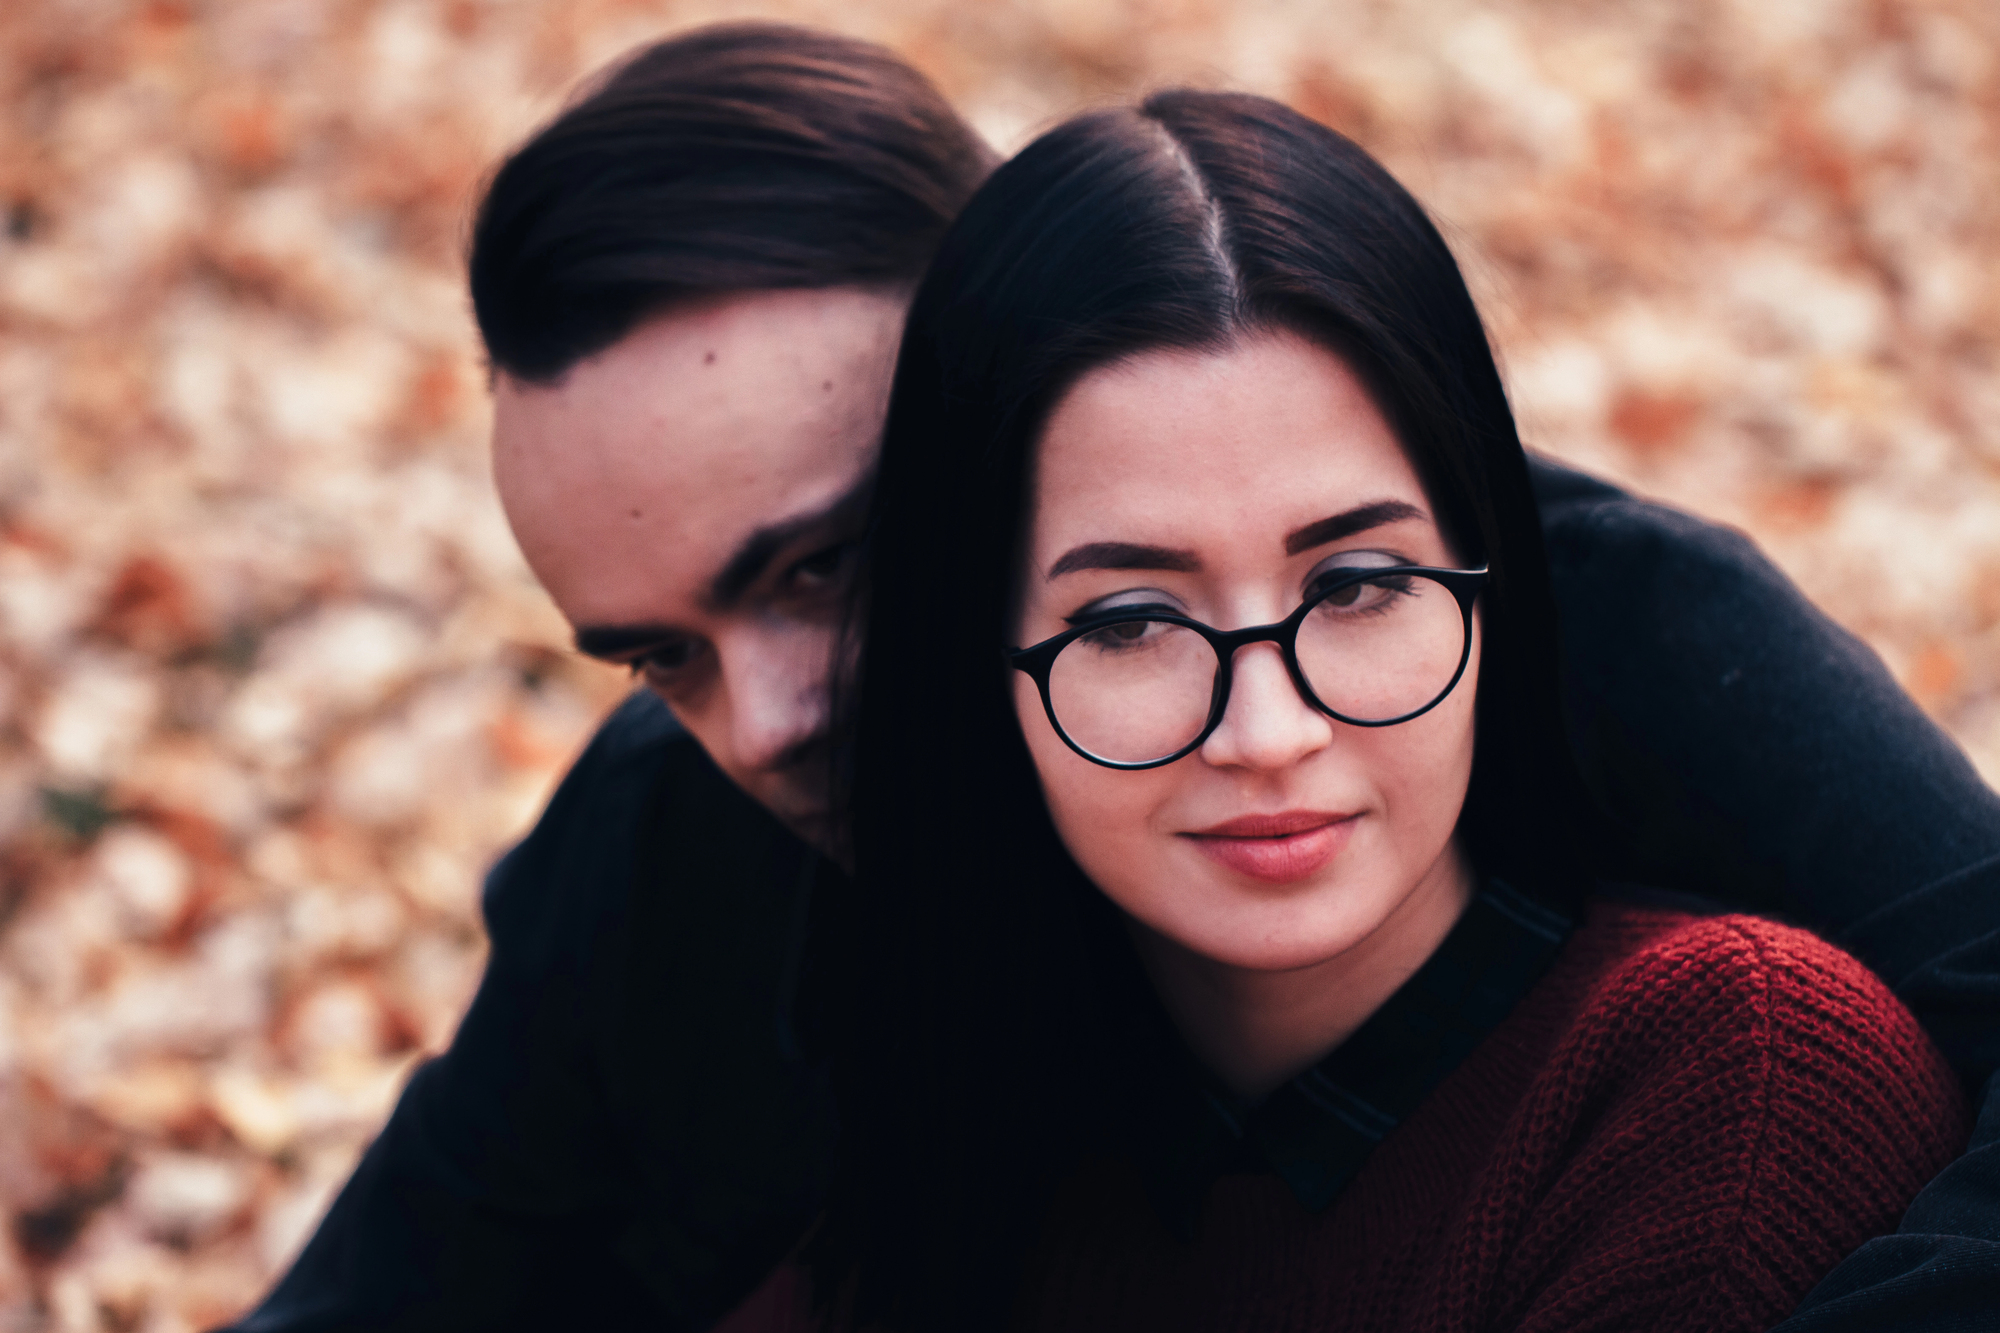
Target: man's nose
point(777, 692)
point(1267, 724)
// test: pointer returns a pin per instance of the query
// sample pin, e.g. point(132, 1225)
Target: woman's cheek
point(1050, 755)
point(1101, 814)
point(1053, 759)
point(1425, 778)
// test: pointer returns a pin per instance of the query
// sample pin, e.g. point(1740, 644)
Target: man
point(691, 286)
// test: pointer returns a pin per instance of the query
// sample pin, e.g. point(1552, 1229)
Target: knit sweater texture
point(1684, 1125)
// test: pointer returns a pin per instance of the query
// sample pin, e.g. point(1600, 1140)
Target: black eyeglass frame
point(1038, 660)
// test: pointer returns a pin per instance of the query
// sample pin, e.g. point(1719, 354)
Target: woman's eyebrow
point(1348, 522)
point(1123, 555)
point(1132, 555)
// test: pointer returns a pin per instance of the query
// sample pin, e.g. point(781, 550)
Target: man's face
point(691, 498)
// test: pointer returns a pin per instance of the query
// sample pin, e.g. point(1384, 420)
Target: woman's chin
point(1261, 932)
point(1292, 955)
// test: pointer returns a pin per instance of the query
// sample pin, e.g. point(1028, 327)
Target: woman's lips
point(1276, 849)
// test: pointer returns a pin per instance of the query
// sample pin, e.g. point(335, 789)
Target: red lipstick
point(1277, 849)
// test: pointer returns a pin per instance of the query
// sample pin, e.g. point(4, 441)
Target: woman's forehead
point(1253, 441)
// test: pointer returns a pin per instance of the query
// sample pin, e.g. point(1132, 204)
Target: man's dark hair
point(990, 1022)
point(736, 157)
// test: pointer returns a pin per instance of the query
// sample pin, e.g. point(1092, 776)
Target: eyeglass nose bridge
point(1226, 643)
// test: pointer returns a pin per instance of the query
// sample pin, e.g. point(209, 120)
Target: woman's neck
point(1254, 1029)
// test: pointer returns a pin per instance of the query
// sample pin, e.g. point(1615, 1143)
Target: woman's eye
point(1372, 595)
point(1124, 634)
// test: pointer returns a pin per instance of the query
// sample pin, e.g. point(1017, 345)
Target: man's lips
point(1279, 848)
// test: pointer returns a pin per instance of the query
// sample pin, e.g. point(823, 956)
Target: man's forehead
point(644, 620)
point(714, 395)
point(645, 533)
point(642, 478)
point(672, 452)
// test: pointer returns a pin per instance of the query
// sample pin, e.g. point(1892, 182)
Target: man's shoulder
point(1556, 485)
point(1593, 528)
point(574, 870)
point(641, 729)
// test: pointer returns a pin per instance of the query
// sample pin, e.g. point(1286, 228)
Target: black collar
point(1316, 1131)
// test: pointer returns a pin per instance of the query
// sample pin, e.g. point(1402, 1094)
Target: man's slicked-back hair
point(736, 157)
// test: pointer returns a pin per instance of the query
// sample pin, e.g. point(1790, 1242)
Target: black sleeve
point(1742, 746)
point(494, 1196)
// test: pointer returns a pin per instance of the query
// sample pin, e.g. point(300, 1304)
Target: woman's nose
point(1267, 724)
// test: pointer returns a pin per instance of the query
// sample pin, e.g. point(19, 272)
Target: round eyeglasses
point(1138, 687)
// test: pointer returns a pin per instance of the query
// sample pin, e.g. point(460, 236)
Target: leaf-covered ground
point(274, 686)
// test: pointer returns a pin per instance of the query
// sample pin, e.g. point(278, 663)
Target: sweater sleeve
point(1746, 1105)
point(1936, 1273)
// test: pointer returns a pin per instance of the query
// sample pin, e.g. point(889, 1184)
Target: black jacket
point(626, 1134)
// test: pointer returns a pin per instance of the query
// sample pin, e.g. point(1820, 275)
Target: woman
point(1219, 955)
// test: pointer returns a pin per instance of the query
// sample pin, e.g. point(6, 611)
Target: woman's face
point(1203, 482)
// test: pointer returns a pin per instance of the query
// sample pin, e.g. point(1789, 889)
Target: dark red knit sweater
point(1684, 1125)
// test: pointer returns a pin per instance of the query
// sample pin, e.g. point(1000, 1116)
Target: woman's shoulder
point(1812, 1088)
point(1667, 977)
point(1732, 1105)
point(1713, 949)
point(1783, 1043)
point(1676, 969)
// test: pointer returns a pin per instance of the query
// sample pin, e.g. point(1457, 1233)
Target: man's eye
point(822, 567)
point(665, 660)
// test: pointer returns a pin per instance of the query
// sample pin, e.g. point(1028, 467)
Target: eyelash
point(836, 556)
point(1328, 569)
point(639, 666)
point(1321, 572)
point(1098, 608)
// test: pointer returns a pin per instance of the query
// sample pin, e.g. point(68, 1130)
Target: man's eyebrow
point(752, 556)
point(1123, 555)
point(1348, 522)
point(755, 552)
point(612, 642)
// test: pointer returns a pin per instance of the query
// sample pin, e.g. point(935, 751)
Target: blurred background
point(275, 687)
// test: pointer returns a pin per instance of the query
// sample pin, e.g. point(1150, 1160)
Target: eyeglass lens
point(1140, 690)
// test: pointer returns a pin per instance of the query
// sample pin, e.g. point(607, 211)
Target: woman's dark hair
point(735, 157)
point(979, 1050)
